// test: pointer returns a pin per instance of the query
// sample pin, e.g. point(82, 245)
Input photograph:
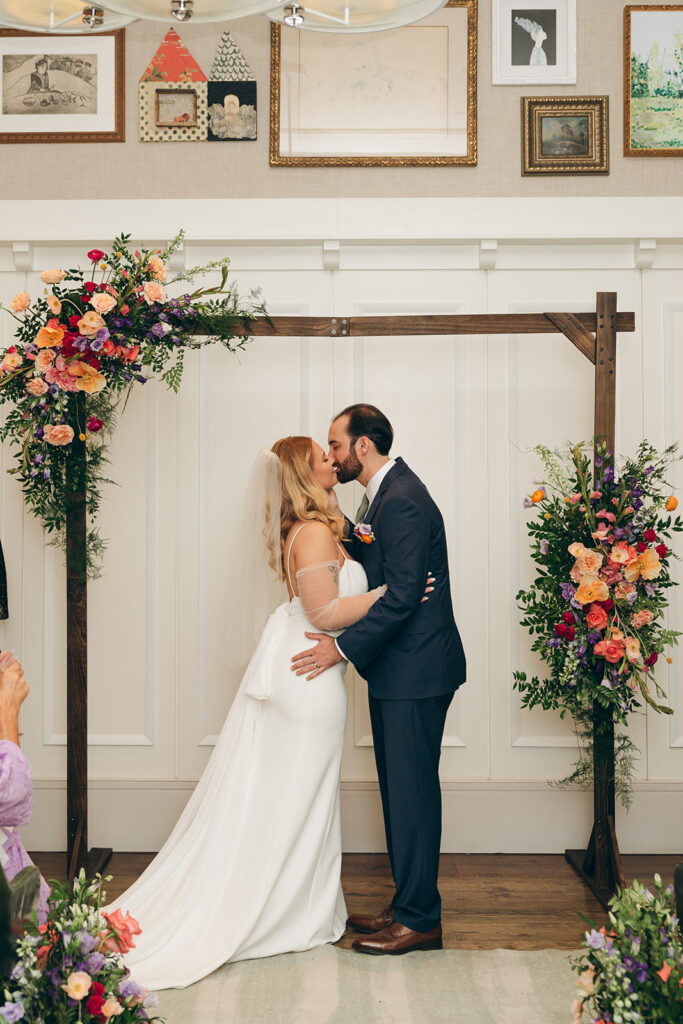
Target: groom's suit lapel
point(395, 471)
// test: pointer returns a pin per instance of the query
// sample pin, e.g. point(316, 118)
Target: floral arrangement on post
point(596, 607)
point(84, 344)
point(70, 969)
point(633, 973)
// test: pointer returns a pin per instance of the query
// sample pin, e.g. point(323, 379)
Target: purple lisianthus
point(159, 330)
point(595, 939)
point(544, 547)
point(12, 1011)
point(130, 989)
point(38, 459)
point(554, 642)
point(88, 942)
point(568, 591)
point(94, 962)
point(649, 469)
point(46, 474)
point(365, 529)
point(650, 589)
point(641, 973)
point(81, 342)
point(96, 344)
point(607, 683)
point(608, 474)
point(594, 637)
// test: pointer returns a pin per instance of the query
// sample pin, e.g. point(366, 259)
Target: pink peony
point(153, 292)
point(62, 378)
point(59, 434)
point(36, 386)
point(44, 360)
point(157, 269)
point(102, 302)
point(641, 618)
point(20, 302)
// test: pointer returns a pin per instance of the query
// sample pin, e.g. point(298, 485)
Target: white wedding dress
point(252, 867)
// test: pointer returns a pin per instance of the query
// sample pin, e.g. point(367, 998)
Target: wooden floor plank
point(515, 901)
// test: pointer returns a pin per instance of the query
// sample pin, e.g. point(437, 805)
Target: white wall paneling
point(466, 410)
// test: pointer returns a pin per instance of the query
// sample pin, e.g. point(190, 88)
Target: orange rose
point(101, 302)
point(153, 292)
point(44, 360)
point(90, 323)
point(596, 617)
point(610, 650)
point(589, 562)
point(59, 434)
point(54, 305)
point(22, 301)
point(591, 589)
point(647, 565)
point(125, 926)
point(671, 504)
point(642, 618)
point(622, 553)
point(51, 335)
point(52, 276)
point(156, 268)
point(36, 387)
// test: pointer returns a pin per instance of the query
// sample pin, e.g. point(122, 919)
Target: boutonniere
point(364, 533)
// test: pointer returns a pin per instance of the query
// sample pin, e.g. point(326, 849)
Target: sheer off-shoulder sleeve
point(319, 592)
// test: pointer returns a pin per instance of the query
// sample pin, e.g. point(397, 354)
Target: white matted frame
point(560, 40)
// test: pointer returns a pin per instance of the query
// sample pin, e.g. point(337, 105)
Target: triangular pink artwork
point(173, 62)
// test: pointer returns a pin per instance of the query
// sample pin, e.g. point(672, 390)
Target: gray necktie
point(362, 509)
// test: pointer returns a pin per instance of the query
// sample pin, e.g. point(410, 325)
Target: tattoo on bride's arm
point(334, 569)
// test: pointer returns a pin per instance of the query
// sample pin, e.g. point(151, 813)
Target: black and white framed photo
point(534, 43)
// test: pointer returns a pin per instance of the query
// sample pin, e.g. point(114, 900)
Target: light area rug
point(336, 986)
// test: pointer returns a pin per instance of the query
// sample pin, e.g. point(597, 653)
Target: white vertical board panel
point(433, 391)
point(541, 389)
point(662, 388)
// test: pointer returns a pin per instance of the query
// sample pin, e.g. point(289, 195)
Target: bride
point(252, 868)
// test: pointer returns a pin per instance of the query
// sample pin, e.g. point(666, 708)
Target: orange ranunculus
point(589, 562)
point(610, 650)
point(647, 565)
point(537, 496)
point(125, 926)
point(622, 553)
point(641, 618)
point(632, 648)
point(671, 504)
point(591, 589)
point(54, 305)
point(52, 276)
point(51, 335)
point(596, 617)
point(157, 269)
point(153, 292)
point(20, 302)
point(90, 323)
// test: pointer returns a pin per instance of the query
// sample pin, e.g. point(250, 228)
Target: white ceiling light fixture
point(354, 15)
point(60, 16)
point(196, 10)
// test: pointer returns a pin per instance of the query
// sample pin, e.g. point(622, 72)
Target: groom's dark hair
point(368, 421)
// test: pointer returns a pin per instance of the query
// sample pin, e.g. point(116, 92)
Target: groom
point(412, 657)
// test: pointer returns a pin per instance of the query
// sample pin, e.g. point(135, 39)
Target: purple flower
point(650, 589)
point(568, 591)
point(38, 433)
point(94, 962)
point(129, 988)
point(618, 533)
point(608, 475)
point(88, 942)
point(544, 547)
point(632, 597)
point(630, 963)
point(96, 344)
point(595, 940)
point(46, 474)
point(649, 469)
point(12, 1011)
point(607, 683)
point(159, 330)
point(102, 334)
point(141, 379)
point(81, 342)
point(641, 974)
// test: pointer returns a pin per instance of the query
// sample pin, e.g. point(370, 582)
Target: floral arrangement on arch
point(70, 969)
point(600, 542)
point(633, 973)
point(85, 343)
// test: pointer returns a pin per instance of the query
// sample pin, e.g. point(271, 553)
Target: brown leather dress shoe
point(397, 939)
point(370, 923)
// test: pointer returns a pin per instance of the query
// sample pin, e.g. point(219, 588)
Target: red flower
point(94, 1005)
point(641, 547)
point(12, 348)
point(94, 361)
point(651, 659)
point(95, 424)
point(650, 536)
point(560, 629)
point(608, 605)
point(95, 255)
point(662, 550)
point(571, 633)
point(90, 287)
point(73, 321)
point(569, 618)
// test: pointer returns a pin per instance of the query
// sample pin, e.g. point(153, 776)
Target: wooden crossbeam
point(576, 332)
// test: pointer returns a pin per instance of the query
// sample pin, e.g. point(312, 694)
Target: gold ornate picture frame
point(565, 135)
point(416, 106)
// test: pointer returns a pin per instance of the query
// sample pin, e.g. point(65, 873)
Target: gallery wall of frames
point(466, 411)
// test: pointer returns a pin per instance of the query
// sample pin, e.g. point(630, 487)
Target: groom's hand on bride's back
point(317, 659)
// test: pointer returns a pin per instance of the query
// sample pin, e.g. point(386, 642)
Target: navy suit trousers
point(407, 736)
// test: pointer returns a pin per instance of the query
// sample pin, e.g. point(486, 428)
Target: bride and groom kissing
point(253, 865)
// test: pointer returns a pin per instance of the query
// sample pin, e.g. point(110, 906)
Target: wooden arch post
point(594, 333)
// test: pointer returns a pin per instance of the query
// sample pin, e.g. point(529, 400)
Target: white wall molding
point(22, 253)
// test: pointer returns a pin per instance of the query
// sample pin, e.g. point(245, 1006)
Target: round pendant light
point(353, 15)
point(194, 10)
point(60, 16)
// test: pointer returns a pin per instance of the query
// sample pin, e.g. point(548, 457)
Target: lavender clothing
point(16, 804)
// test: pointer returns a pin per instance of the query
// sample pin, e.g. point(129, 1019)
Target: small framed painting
point(653, 80)
point(534, 43)
point(176, 106)
point(62, 88)
point(565, 135)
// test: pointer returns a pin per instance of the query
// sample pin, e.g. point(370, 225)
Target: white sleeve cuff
point(340, 651)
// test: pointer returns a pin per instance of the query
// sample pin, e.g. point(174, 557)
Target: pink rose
point(44, 360)
point(52, 276)
point(102, 302)
point(36, 386)
point(153, 292)
point(20, 302)
point(642, 618)
point(59, 434)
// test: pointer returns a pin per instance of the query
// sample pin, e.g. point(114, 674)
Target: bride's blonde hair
point(303, 498)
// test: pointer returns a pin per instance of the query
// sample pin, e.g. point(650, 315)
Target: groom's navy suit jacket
point(406, 649)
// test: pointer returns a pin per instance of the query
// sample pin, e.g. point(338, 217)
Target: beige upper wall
point(241, 169)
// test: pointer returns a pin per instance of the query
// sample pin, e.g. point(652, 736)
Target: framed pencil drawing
point(62, 88)
point(410, 94)
point(534, 43)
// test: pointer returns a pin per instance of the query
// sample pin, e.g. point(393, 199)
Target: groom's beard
point(349, 469)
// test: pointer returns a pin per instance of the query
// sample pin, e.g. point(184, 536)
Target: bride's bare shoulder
point(312, 537)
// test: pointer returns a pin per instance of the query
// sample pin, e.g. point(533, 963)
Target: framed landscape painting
point(653, 80)
point(565, 135)
point(534, 43)
point(61, 88)
point(410, 94)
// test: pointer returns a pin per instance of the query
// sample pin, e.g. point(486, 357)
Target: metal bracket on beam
point(644, 250)
point(331, 255)
point(488, 254)
point(340, 327)
point(23, 256)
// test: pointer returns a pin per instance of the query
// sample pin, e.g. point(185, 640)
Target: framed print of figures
point(565, 135)
point(653, 80)
point(410, 94)
point(534, 43)
point(62, 88)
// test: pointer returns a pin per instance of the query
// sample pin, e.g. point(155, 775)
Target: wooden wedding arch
point(593, 333)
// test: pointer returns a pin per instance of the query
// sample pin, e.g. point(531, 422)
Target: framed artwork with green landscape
point(653, 80)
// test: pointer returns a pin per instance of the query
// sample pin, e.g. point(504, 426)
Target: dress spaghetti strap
point(289, 552)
